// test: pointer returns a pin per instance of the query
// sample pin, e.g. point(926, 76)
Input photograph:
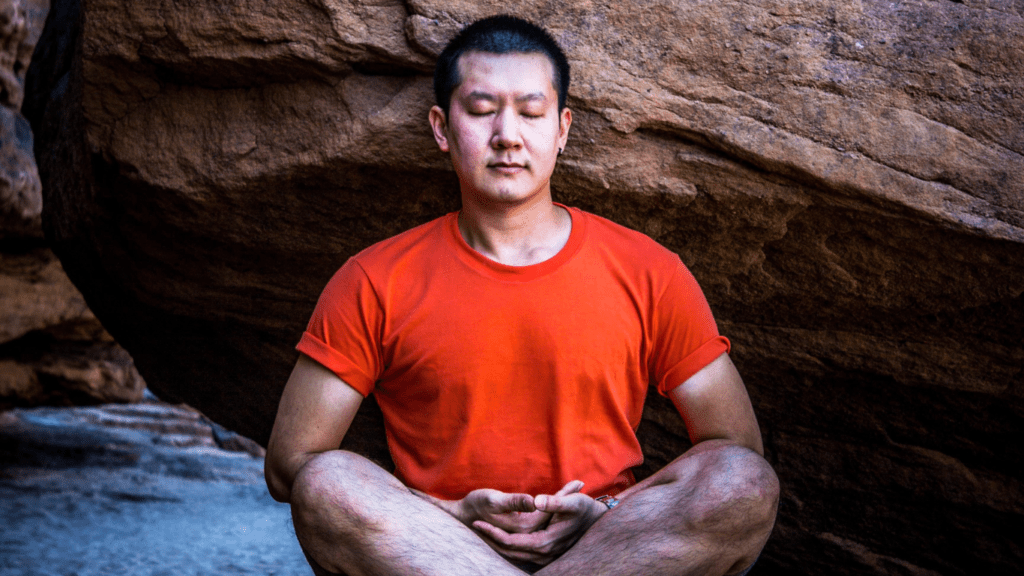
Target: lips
point(507, 168)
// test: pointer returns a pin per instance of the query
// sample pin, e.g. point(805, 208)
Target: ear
point(564, 121)
point(439, 123)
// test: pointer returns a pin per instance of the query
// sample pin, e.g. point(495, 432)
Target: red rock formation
point(52, 349)
point(844, 179)
point(21, 23)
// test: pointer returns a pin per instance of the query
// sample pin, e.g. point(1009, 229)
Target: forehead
point(512, 72)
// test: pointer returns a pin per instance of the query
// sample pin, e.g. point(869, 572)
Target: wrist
point(453, 508)
point(603, 504)
point(457, 509)
point(607, 501)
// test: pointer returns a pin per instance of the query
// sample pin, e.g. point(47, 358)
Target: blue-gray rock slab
point(134, 489)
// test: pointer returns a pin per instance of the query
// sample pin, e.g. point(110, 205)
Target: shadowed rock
point(53, 350)
point(844, 179)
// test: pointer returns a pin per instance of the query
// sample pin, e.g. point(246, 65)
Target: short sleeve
point(344, 331)
point(685, 337)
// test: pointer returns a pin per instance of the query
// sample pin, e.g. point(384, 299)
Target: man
point(510, 346)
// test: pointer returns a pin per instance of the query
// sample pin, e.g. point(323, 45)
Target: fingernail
point(540, 501)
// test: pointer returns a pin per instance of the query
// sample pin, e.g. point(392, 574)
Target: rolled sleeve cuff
point(693, 363)
point(334, 361)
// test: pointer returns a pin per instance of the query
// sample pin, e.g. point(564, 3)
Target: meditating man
point(510, 346)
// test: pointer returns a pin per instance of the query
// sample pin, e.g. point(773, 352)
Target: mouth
point(507, 168)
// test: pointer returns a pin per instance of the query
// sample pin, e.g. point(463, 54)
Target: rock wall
point(843, 178)
point(53, 350)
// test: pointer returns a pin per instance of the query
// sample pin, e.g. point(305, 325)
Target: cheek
point(469, 142)
point(546, 138)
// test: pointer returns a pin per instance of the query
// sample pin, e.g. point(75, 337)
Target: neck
point(516, 235)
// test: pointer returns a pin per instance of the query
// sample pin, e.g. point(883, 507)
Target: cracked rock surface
point(843, 178)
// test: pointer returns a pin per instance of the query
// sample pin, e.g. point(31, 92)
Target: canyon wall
point(845, 180)
point(53, 350)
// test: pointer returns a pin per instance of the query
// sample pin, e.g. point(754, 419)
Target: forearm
point(748, 437)
point(315, 412)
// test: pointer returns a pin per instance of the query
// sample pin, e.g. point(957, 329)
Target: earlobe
point(439, 124)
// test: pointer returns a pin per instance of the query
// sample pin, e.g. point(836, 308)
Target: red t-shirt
point(517, 378)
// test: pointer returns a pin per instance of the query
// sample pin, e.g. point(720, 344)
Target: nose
point(507, 132)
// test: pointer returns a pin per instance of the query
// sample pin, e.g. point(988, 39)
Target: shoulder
point(619, 240)
point(377, 265)
point(406, 246)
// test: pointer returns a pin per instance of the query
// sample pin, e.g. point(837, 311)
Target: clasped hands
point(535, 529)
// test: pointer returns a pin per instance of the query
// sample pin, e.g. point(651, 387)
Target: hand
point(571, 515)
point(514, 513)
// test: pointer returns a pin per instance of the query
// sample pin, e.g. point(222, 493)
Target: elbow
point(753, 441)
point(278, 487)
point(278, 491)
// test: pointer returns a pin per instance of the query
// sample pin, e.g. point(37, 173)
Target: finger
point(503, 502)
point(493, 533)
point(510, 554)
point(571, 488)
point(537, 547)
point(561, 504)
point(519, 522)
point(512, 542)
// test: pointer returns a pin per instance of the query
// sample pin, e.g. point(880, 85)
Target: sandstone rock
point(42, 372)
point(36, 294)
point(21, 199)
point(21, 23)
point(53, 350)
point(844, 179)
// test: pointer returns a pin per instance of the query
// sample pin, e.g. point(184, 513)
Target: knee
point(330, 491)
point(738, 488)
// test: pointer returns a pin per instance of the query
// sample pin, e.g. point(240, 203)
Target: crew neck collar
point(499, 271)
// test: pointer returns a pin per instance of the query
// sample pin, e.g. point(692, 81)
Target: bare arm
point(313, 417)
point(715, 406)
point(315, 412)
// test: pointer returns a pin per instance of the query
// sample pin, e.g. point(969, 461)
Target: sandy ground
point(146, 489)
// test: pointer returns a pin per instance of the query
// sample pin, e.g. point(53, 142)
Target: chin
point(513, 196)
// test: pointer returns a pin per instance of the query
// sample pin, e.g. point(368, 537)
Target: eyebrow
point(477, 95)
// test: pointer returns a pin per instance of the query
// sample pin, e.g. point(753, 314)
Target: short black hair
point(498, 35)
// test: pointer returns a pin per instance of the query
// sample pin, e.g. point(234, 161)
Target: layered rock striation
point(844, 179)
point(53, 350)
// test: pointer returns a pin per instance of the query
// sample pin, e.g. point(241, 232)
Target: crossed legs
point(709, 512)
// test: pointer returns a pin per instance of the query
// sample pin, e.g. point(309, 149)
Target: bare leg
point(707, 513)
point(354, 518)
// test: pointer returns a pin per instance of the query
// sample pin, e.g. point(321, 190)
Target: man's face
point(503, 128)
